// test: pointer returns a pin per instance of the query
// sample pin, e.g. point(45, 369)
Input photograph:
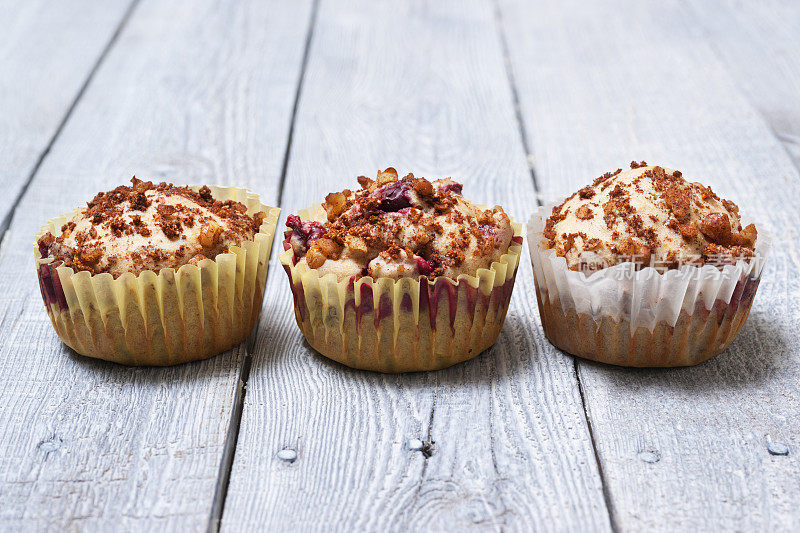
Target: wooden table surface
point(522, 101)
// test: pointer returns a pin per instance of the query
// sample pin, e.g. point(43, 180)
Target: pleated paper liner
point(403, 325)
point(642, 318)
point(166, 317)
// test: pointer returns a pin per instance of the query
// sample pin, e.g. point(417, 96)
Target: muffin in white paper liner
point(630, 317)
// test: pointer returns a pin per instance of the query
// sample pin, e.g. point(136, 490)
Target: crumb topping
point(650, 215)
point(400, 227)
point(149, 227)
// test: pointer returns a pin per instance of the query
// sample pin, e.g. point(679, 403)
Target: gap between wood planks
point(530, 161)
point(232, 436)
point(6, 222)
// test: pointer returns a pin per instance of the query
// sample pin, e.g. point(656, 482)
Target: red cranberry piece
point(306, 231)
point(454, 187)
point(315, 230)
point(394, 197)
point(424, 267)
point(44, 250)
point(517, 239)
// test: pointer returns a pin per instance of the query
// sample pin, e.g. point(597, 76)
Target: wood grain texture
point(46, 56)
point(759, 45)
point(421, 87)
point(681, 449)
point(198, 92)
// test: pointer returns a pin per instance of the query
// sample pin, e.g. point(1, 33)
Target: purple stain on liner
point(406, 304)
point(59, 290)
point(365, 307)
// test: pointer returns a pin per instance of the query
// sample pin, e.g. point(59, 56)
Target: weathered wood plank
point(192, 91)
point(759, 45)
point(683, 449)
point(47, 53)
point(421, 87)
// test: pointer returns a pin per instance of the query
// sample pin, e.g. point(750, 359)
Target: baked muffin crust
point(650, 215)
point(401, 227)
point(149, 227)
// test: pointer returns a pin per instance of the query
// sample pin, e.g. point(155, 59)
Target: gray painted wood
point(758, 44)
point(46, 56)
point(198, 92)
point(421, 87)
point(681, 449)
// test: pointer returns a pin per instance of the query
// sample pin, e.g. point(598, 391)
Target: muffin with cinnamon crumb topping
point(644, 268)
point(156, 274)
point(403, 274)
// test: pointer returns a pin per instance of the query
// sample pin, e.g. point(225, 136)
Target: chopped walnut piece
point(357, 244)
point(387, 176)
point(315, 258)
point(326, 247)
point(746, 237)
point(717, 228)
point(584, 212)
point(423, 187)
point(335, 203)
point(90, 255)
point(209, 235)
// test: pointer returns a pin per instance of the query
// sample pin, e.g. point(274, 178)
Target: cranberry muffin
point(644, 268)
point(156, 274)
point(403, 274)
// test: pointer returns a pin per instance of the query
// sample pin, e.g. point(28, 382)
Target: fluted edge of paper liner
point(403, 325)
point(167, 317)
point(642, 318)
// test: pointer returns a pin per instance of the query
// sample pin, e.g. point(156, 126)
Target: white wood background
point(523, 101)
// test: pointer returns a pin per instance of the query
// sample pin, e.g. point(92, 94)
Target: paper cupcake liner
point(166, 317)
point(645, 318)
point(403, 325)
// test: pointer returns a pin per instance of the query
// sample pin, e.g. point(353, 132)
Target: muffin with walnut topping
point(402, 275)
point(156, 274)
point(644, 268)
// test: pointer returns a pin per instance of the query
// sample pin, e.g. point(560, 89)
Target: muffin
point(156, 274)
point(402, 275)
point(644, 268)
